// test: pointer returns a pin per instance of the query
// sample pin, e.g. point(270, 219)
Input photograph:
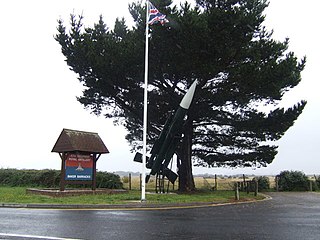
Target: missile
point(171, 134)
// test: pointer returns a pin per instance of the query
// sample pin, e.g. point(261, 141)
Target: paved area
point(286, 216)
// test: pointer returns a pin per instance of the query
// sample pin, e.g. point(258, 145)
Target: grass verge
point(18, 195)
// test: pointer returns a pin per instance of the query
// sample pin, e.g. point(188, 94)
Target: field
point(204, 183)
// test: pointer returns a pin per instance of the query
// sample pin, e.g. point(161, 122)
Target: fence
point(213, 183)
point(134, 183)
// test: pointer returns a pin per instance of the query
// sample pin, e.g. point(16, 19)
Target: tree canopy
point(242, 72)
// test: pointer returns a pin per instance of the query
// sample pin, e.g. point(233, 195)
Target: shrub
point(316, 183)
point(5, 176)
point(125, 179)
point(108, 180)
point(15, 178)
point(263, 183)
point(293, 181)
point(315, 186)
point(48, 178)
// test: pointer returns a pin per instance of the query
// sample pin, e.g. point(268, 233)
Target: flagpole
point(145, 110)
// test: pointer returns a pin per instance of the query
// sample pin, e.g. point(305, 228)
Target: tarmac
point(289, 215)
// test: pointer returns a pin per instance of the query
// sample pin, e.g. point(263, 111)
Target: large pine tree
point(242, 72)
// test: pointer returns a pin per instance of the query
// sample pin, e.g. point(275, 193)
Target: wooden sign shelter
point(79, 152)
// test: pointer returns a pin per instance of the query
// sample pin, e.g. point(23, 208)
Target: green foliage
point(49, 178)
point(45, 178)
point(316, 183)
point(263, 183)
point(222, 44)
point(108, 180)
point(125, 179)
point(293, 181)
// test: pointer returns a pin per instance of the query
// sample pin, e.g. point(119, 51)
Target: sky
point(38, 91)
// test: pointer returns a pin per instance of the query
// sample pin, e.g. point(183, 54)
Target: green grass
point(18, 195)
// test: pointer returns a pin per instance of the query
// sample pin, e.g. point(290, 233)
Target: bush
point(125, 179)
point(16, 178)
point(5, 176)
point(108, 180)
point(293, 181)
point(317, 181)
point(48, 178)
point(315, 186)
point(263, 183)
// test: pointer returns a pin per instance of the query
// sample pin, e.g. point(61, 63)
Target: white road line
point(34, 237)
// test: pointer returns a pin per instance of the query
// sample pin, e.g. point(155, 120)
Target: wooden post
point(215, 182)
point(140, 181)
point(236, 187)
point(94, 174)
point(256, 188)
point(63, 170)
point(129, 181)
point(244, 182)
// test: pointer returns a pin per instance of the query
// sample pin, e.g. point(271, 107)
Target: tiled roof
point(74, 140)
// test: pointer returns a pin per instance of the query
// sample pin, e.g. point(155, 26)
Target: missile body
point(165, 146)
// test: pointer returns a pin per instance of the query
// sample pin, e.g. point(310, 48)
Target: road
point(286, 216)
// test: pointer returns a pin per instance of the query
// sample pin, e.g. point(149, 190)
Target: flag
point(155, 16)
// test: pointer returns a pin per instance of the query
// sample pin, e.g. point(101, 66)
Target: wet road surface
point(286, 216)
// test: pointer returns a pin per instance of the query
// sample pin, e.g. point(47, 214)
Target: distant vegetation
point(290, 181)
point(49, 178)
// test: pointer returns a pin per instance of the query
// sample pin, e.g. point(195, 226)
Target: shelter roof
point(74, 140)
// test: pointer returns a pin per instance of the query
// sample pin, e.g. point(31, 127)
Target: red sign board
point(79, 167)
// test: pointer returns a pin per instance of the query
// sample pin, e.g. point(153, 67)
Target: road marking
point(34, 237)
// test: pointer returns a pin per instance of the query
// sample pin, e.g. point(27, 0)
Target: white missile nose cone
point(186, 100)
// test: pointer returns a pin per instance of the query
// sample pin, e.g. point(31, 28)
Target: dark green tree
point(242, 74)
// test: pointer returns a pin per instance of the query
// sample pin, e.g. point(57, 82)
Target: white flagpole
point(145, 109)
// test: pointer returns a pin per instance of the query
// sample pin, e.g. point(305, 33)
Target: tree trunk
point(186, 181)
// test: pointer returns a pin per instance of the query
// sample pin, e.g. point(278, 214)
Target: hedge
point(49, 178)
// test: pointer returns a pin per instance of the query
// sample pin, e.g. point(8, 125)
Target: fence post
point(244, 182)
point(140, 187)
point(215, 182)
point(129, 181)
point(236, 187)
point(256, 187)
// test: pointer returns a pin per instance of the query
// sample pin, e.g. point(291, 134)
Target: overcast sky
point(38, 91)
